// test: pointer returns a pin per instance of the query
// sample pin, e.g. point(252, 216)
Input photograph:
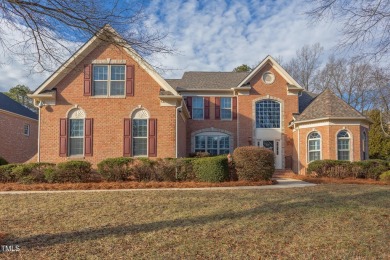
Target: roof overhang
point(277, 67)
point(91, 44)
point(332, 118)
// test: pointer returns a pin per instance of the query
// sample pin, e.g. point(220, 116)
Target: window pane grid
point(267, 114)
point(343, 146)
point(76, 137)
point(314, 146)
point(109, 80)
point(214, 145)
point(140, 137)
point(197, 108)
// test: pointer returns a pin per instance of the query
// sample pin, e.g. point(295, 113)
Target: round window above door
point(268, 77)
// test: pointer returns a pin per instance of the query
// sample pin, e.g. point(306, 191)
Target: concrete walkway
point(283, 183)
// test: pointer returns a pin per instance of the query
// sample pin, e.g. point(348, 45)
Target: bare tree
point(49, 31)
point(365, 24)
point(304, 66)
point(351, 80)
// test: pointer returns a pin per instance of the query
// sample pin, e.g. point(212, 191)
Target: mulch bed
point(124, 185)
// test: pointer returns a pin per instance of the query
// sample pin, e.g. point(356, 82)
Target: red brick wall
point(108, 113)
point(226, 125)
point(277, 89)
point(329, 143)
point(16, 147)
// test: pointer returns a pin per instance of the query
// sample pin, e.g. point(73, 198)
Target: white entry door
point(273, 145)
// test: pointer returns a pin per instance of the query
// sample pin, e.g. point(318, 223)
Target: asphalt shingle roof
point(199, 80)
point(11, 105)
point(327, 104)
point(304, 100)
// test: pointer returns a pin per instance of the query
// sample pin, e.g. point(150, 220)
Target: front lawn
point(326, 221)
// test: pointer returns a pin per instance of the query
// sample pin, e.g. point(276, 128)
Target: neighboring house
point(18, 131)
point(106, 101)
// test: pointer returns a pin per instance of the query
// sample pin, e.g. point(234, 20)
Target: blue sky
point(213, 35)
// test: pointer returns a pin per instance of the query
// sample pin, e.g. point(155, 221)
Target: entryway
point(275, 146)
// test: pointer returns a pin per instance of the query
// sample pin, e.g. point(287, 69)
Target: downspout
point(238, 125)
point(177, 127)
point(39, 129)
point(299, 161)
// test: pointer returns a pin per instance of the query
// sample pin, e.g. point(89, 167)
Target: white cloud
point(216, 36)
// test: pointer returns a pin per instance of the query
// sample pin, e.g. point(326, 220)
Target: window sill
point(104, 97)
point(72, 157)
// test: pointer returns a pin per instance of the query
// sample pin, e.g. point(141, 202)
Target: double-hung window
point(140, 137)
point(314, 146)
point(197, 108)
point(343, 145)
point(109, 80)
point(226, 108)
point(76, 137)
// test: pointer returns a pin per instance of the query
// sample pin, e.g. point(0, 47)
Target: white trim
point(330, 118)
point(351, 159)
point(330, 123)
point(307, 145)
point(276, 66)
point(109, 81)
point(231, 109)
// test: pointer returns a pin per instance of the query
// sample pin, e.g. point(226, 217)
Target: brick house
point(18, 131)
point(106, 101)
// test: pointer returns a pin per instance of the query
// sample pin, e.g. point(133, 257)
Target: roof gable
point(90, 45)
point(10, 105)
point(328, 105)
point(276, 66)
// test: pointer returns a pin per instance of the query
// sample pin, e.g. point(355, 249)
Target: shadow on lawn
point(313, 200)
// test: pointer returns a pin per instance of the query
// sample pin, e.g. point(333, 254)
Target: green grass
point(326, 221)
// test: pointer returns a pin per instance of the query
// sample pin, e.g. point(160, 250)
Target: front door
point(273, 145)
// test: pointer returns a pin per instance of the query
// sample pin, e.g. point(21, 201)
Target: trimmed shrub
point(254, 163)
point(211, 169)
point(3, 161)
point(199, 155)
point(370, 169)
point(6, 174)
point(330, 168)
point(185, 169)
point(385, 176)
point(143, 170)
point(115, 169)
point(166, 169)
point(31, 172)
point(72, 171)
point(343, 169)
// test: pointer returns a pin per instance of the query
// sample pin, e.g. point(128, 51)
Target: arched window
point(76, 119)
point(343, 145)
point(364, 146)
point(140, 132)
point(212, 142)
point(314, 146)
point(267, 114)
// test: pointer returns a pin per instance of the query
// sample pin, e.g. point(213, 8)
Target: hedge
point(369, 169)
point(385, 176)
point(115, 169)
point(254, 163)
point(31, 172)
point(3, 161)
point(6, 174)
point(72, 171)
point(211, 169)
